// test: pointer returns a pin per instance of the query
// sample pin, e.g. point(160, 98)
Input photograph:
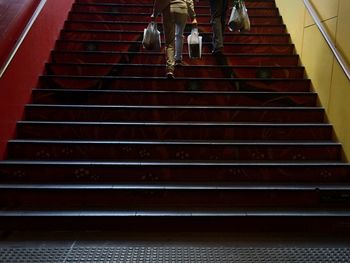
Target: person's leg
point(216, 11)
point(178, 43)
point(223, 16)
point(169, 33)
point(180, 23)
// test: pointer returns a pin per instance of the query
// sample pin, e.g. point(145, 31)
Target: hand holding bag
point(151, 37)
point(194, 42)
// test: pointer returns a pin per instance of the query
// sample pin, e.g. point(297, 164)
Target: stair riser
point(137, 224)
point(144, 114)
point(145, 18)
point(92, 173)
point(136, 46)
point(42, 96)
point(124, 131)
point(159, 58)
point(115, 83)
point(207, 37)
point(158, 199)
point(91, 25)
point(141, 9)
point(66, 151)
point(192, 72)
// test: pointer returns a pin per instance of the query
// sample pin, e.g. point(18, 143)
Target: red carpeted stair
point(235, 142)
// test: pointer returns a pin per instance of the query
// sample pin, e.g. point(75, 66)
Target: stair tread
point(159, 91)
point(258, 212)
point(113, 31)
point(292, 186)
point(162, 66)
point(182, 163)
point(177, 78)
point(177, 123)
point(184, 142)
point(70, 19)
point(161, 53)
point(147, 14)
point(303, 108)
point(144, 23)
point(198, 5)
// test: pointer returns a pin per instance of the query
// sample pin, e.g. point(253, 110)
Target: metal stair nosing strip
point(293, 186)
point(302, 164)
point(259, 213)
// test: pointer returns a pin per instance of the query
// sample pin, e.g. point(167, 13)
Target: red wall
point(22, 74)
point(14, 16)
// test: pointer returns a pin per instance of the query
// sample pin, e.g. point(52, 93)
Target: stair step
point(194, 71)
point(172, 172)
point(250, 4)
point(192, 197)
point(132, 57)
point(136, 46)
point(142, 9)
point(137, 26)
point(243, 38)
point(250, 219)
point(145, 17)
point(174, 150)
point(40, 112)
point(180, 83)
point(134, 70)
point(195, 215)
point(172, 130)
point(210, 187)
point(163, 97)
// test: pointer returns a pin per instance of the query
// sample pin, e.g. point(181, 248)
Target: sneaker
point(179, 63)
point(170, 75)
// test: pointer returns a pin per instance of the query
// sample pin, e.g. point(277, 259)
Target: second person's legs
point(218, 17)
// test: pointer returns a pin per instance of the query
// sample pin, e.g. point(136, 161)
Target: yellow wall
point(327, 77)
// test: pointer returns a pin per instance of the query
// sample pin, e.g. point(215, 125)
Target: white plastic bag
point(235, 21)
point(246, 20)
point(194, 41)
point(151, 37)
point(239, 19)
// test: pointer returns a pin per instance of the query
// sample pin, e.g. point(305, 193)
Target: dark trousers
point(218, 10)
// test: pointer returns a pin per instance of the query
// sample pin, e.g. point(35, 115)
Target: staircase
point(234, 142)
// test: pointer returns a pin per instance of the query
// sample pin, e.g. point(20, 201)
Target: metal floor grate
point(173, 254)
point(28, 255)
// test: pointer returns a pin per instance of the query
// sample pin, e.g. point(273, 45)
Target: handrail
point(22, 37)
point(328, 39)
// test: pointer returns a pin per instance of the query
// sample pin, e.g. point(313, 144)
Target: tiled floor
point(171, 247)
